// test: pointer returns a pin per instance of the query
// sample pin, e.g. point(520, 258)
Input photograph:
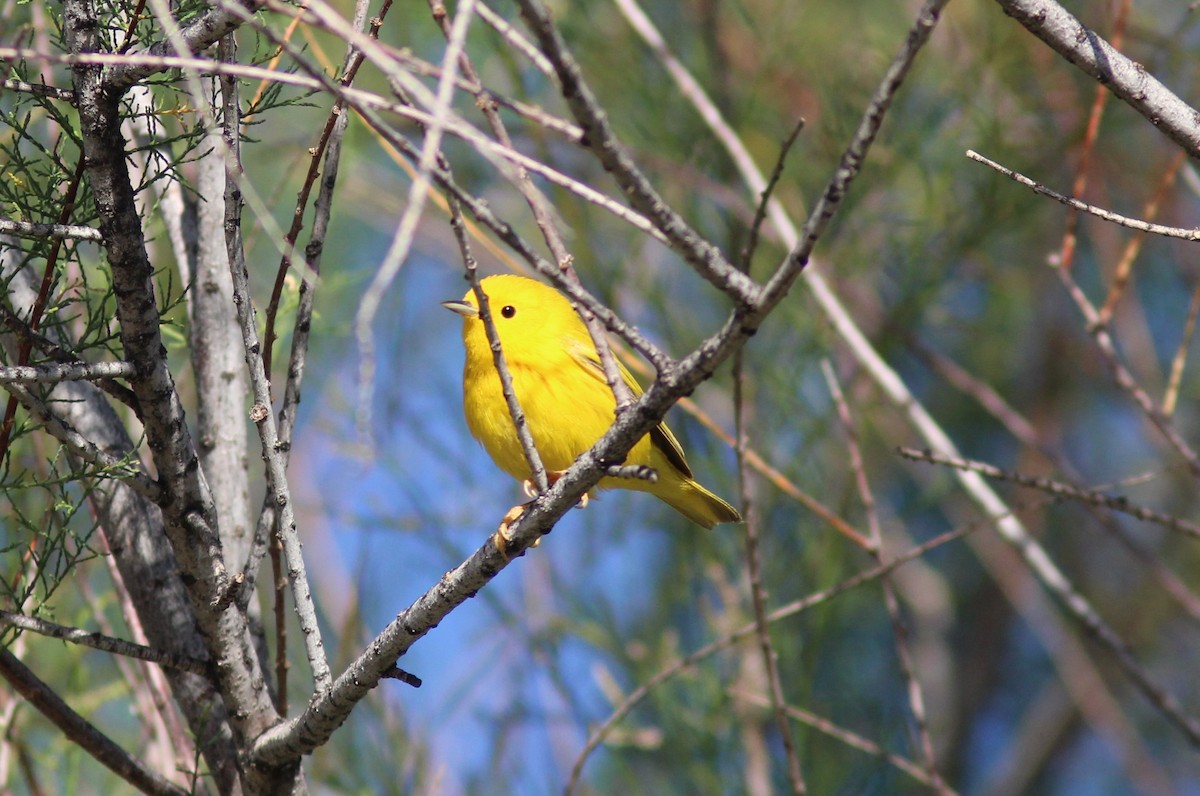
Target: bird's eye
point(508, 310)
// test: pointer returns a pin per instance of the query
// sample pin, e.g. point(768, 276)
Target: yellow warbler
point(567, 402)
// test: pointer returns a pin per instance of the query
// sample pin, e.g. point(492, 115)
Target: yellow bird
point(567, 402)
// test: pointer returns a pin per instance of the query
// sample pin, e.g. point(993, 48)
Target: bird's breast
point(566, 410)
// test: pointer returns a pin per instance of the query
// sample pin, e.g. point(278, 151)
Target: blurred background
point(950, 270)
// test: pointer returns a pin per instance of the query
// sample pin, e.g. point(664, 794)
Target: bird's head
point(530, 318)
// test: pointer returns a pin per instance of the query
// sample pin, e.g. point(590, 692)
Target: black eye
point(508, 310)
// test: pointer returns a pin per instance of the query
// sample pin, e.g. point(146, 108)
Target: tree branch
point(1098, 212)
point(38, 89)
point(598, 734)
point(72, 371)
point(127, 467)
point(1127, 79)
point(103, 643)
point(133, 528)
point(197, 36)
point(187, 508)
point(27, 229)
point(598, 135)
point(82, 732)
point(264, 420)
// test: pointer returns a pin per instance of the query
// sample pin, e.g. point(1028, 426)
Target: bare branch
point(1098, 212)
point(597, 735)
point(1127, 79)
point(39, 90)
point(104, 643)
point(82, 732)
point(75, 371)
point(196, 37)
point(277, 483)
point(1118, 503)
point(26, 229)
point(904, 656)
point(536, 469)
point(853, 740)
point(708, 261)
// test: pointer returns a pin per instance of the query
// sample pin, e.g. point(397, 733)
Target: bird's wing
point(660, 436)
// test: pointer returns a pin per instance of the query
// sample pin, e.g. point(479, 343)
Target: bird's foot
point(531, 491)
point(502, 538)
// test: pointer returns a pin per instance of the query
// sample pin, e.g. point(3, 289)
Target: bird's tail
point(699, 505)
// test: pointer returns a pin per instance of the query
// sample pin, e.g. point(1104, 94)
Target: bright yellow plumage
point(561, 388)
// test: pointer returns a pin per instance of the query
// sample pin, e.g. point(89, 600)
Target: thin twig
point(1123, 378)
point(516, 39)
point(27, 229)
point(38, 89)
point(408, 678)
point(402, 240)
point(916, 695)
point(1098, 212)
point(104, 643)
point(1118, 503)
point(851, 739)
point(75, 371)
point(264, 420)
point(634, 698)
point(534, 113)
point(1171, 394)
point(528, 448)
point(764, 201)
point(544, 218)
point(1133, 246)
point(82, 732)
point(706, 259)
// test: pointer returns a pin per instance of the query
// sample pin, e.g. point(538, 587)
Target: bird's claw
point(502, 538)
point(530, 490)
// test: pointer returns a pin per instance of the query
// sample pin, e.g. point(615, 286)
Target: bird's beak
point(462, 308)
